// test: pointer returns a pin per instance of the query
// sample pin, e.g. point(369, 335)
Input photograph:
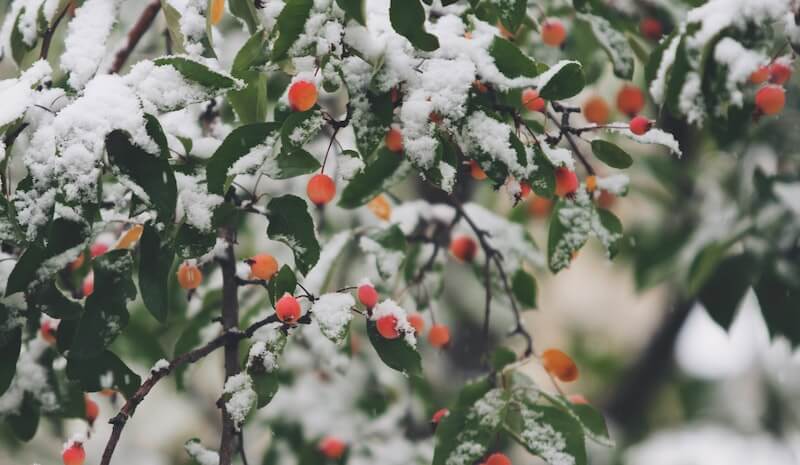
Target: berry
point(779, 73)
point(651, 28)
point(417, 322)
point(332, 447)
point(578, 399)
point(92, 410)
point(560, 365)
point(760, 75)
point(98, 249)
point(367, 295)
point(532, 101)
point(77, 263)
point(591, 183)
point(438, 415)
point(640, 125)
point(131, 237)
point(630, 100)
point(321, 189)
point(770, 100)
point(435, 117)
point(189, 276)
point(596, 110)
point(394, 140)
point(605, 200)
point(476, 171)
point(263, 266)
point(380, 207)
point(88, 285)
point(566, 181)
point(480, 87)
point(74, 454)
point(504, 32)
point(48, 331)
point(539, 207)
point(287, 308)
point(302, 95)
point(439, 336)
point(387, 327)
point(498, 459)
point(553, 32)
point(463, 248)
point(524, 190)
point(217, 9)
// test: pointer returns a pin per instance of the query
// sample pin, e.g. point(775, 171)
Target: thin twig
point(135, 34)
point(47, 37)
point(563, 128)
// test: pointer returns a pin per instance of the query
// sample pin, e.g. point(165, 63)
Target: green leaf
point(408, 20)
point(677, 78)
point(190, 242)
point(612, 225)
point(543, 180)
point(611, 154)
point(524, 287)
point(704, 264)
point(613, 42)
point(250, 103)
point(779, 300)
point(198, 72)
point(510, 60)
point(502, 357)
point(565, 82)
point(550, 433)
point(284, 282)
point(726, 287)
point(371, 122)
point(104, 370)
point(236, 145)
point(512, 13)
point(173, 18)
point(10, 345)
point(354, 9)
point(266, 386)
point(18, 46)
point(291, 23)
point(152, 174)
point(25, 422)
point(380, 174)
point(395, 353)
point(290, 223)
point(654, 62)
point(591, 420)
point(49, 299)
point(155, 264)
point(246, 11)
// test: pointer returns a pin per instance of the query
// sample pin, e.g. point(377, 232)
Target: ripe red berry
point(394, 140)
point(332, 447)
point(640, 125)
point(651, 28)
point(578, 399)
point(302, 95)
point(630, 100)
point(74, 454)
point(48, 331)
point(367, 295)
point(98, 249)
point(560, 365)
point(524, 189)
point(438, 415)
point(596, 110)
point(321, 189)
point(92, 410)
point(263, 266)
point(387, 327)
point(88, 285)
point(439, 336)
point(566, 181)
point(498, 459)
point(476, 171)
point(532, 101)
point(779, 73)
point(553, 32)
point(770, 100)
point(189, 276)
point(463, 248)
point(417, 322)
point(539, 207)
point(760, 75)
point(287, 308)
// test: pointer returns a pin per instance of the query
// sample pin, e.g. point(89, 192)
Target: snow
point(18, 94)
point(318, 275)
point(558, 156)
point(333, 314)
point(85, 43)
point(741, 62)
point(653, 136)
point(30, 377)
point(162, 364)
point(199, 453)
point(716, 15)
point(487, 135)
point(508, 238)
point(240, 397)
point(390, 307)
point(195, 204)
point(387, 261)
point(163, 88)
point(658, 87)
point(616, 184)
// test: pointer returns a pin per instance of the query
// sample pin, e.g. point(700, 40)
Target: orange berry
point(189, 276)
point(417, 322)
point(651, 28)
point(131, 237)
point(596, 110)
point(591, 183)
point(476, 171)
point(779, 73)
point(770, 100)
point(479, 87)
point(630, 100)
point(263, 266)
point(217, 9)
point(439, 336)
point(605, 199)
point(88, 285)
point(321, 189)
point(92, 410)
point(74, 454)
point(438, 415)
point(524, 190)
point(77, 263)
point(532, 101)
point(302, 95)
point(48, 331)
point(498, 459)
point(559, 365)
point(463, 248)
point(387, 327)
point(332, 447)
point(640, 125)
point(540, 206)
point(553, 32)
point(287, 308)
point(566, 181)
point(394, 140)
point(578, 399)
point(380, 207)
point(760, 75)
point(367, 295)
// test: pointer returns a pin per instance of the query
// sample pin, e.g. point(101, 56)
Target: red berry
point(770, 99)
point(417, 322)
point(92, 410)
point(476, 171)
point(438, 415)
point(540, 206)
point(760, 75)
point(74, 454)
point(640, 125)
point(287, 308)
point(394, 140)
point(779, 73)
point(189, 276)
point(439, 336)
point(48, 331)
point(651, 28)
point(263, 266)
point(630, 100)
point(578, 399)
point(596, 110)
point(566, 181)
point(498, 459)
point(88, 285)
point(463, 248)
point(367, 295)
point(98, 249)
point(321, 189)
point(553, 32)
point(532, 101)
point(560, 365)
point(524, 189)
point(332, 447)
point(387, 327)
point(302, 95)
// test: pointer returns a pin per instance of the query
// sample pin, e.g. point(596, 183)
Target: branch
point(230, 320)
point(47, 38)
point(135, 34)
point(564, 127)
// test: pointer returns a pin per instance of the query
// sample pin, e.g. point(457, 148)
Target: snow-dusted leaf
point(333, 312)
point(550, 433)
point(385, 170)
point(300, 127)
point(563, 80)
point(408, 20)
point(590, 419)
point(611, 154)
point(511, 13)
point(103, 371)
point(290, 25)
point(510, 60)
point(290, 223)
point(354, 10)
point(199, 73)
point(236, 145)
point(388, 247)
point(613, 42)
point(395, 353)
point(653, 136)
point(49, 299)
point(191, 242)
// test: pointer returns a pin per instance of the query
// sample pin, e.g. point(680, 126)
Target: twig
point(47, 38)
point(135, 34)
point(230, 320)
point(564, 130)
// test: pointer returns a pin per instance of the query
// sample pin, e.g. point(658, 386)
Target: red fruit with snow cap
point(770, 100)
point(387, 327)
point(288, 309)
point(779, 73)
point(74, 454)
point(367, 295)
point(498, 459)
point(640, 125)
point(332, 447)
point(48, 331)
point(438, 415)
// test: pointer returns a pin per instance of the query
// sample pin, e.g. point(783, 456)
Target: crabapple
point(463, 248)
point(438, 415)
point(559, 365)
point(566, 181)
point(189, 276)
point(539, 206)
point(263, 266)
point(417, 322)
point(332, 447)
point(524, 189)
point(394, 140)
point(367, 295)
point(651, 28)
point(553, 32)
point(287, 308)
point(640, 125)
point(498, 459)
point(302, 95)
point(591, 183)
point(380, 207)
point(92, 410)
point(48, 331)
point(532, 101)
point(770, 100)
point(98, 249)
point(630, 100)
point(476, 171)
point(88, 285)
point(321, 189)
point(779, 73)
point(596, 110)
point(439, 336)
point(387, 327)
point(217, 9)
point(760, 75)
point(74, 454)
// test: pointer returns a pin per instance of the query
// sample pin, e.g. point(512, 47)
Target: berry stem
point(564, 130)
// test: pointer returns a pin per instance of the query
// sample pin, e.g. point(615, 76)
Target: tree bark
point(230, 320)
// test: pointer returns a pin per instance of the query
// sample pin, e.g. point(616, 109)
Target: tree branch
point(135, 34)
point(47, 38)
point(564, 127)
point(230, 321)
